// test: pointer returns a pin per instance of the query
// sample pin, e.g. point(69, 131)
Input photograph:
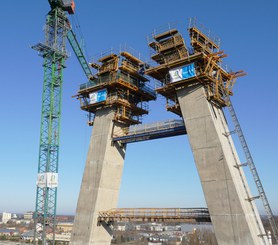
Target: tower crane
point(53, 51)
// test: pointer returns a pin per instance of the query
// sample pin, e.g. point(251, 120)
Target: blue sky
point(157, 173)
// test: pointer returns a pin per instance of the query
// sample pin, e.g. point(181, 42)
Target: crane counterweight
point(66, 5)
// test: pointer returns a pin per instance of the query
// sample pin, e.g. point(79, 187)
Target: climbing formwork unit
point(119, 84)
point(116, 98)
point(195, 83)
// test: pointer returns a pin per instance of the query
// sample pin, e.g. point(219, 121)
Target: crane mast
point(53, 51)
point(54, 54)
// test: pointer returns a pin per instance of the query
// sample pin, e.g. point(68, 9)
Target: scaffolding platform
point(152, 131)
point(181, 215)
point(168, 46)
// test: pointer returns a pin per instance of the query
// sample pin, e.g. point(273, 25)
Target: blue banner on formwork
point(182, 73)
point(98, 96)
point(188, 71)
point(101, 95)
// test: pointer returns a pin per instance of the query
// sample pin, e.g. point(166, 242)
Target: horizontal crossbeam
point(183, 215)
point(151, 131)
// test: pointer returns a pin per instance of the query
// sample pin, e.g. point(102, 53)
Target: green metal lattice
point(54, 54)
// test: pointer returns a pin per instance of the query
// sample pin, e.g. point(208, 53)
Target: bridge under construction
point(196, 86)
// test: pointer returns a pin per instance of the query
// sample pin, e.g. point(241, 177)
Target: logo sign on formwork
point(98, 96)
point(49, 180)
point(182, 73)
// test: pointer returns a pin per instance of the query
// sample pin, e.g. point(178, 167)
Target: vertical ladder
point(253, 169)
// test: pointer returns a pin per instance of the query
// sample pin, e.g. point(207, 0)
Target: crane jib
point(79, 54)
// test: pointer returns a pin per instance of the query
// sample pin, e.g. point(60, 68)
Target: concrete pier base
point(235, 220)
point(100, 183)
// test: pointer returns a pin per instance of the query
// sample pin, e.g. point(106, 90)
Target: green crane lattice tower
point(54, 54)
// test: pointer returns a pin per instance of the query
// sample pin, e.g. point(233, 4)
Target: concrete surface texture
point(235, 220)
point(100, 183)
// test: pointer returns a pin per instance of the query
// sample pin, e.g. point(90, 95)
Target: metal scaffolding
point(184, 215)
point(119, 84)
point(158, 130)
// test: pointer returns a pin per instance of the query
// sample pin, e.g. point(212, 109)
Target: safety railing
point(148, 89)
point(194, 23)
point(169, 26)
point(132, 51)
point(146, 128)
point(102, 54)
point(114, 77)
point(130, 65)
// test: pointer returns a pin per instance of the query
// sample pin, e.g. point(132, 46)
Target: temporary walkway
point(156, 130)
point(184, 215)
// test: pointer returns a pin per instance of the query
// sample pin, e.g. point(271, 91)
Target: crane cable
point(78, 31)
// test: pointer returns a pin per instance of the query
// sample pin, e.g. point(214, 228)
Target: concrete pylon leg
point(100, 184)
point(235, 220)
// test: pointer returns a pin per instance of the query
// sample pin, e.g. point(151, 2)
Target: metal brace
point(229, 133)
point(241, 165)
point(250, 199)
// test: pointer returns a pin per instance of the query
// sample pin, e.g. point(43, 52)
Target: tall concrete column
point(235, 220)
point(101, 182)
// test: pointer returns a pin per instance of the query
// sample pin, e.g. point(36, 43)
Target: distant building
point(64, 218)
point(65, 237)
point(120, 227)
point(28, 236)
point(9, 232)
point(156, 227)
point(137, 227)
point(64, 227)
point(154, 241)
point(172, 228)
point(22, 221)
point(6, 217)
point(28, 215)
point(269, 237)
